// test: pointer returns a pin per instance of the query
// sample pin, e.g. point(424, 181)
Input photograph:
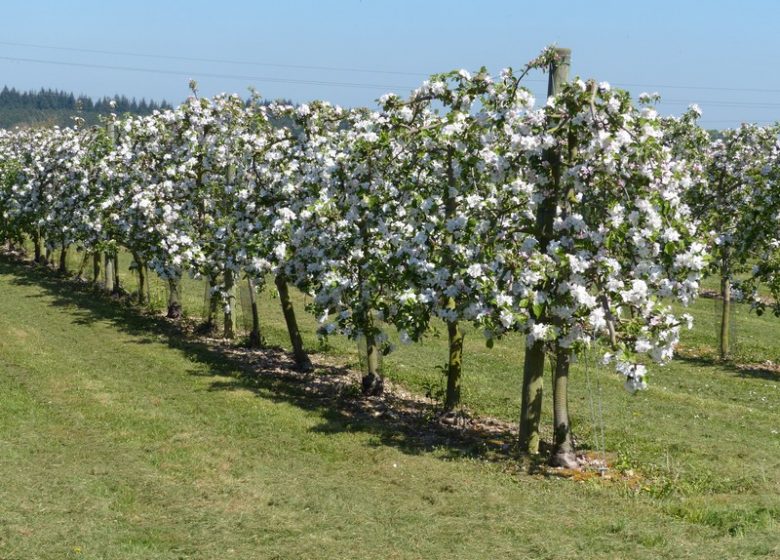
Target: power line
point(341, 68)
point(723, 103)
point(215, 60)
point(358, 85)
point(208, 74)
point(229, 61)
point(709, 88)
point(732, 124)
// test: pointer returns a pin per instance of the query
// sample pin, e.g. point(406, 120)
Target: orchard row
point(578, 220)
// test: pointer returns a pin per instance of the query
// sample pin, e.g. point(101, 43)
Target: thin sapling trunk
point(96, 265)
point(725, 317)
point(37, 247)
point(454, 366)
point(83, 266)
point(63, 266)
point(531, 400)
point(372, 382)
point(142, 280)
point(230, 303)
point(117, 285)
point(302, 361)
point(174, 300)
point(213, 304)
point(255, 339)
point(108, 272)
point(563, 447)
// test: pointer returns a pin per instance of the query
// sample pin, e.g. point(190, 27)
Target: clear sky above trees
point(712, 53)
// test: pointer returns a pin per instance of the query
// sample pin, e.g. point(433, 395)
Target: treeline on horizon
point(49, 107)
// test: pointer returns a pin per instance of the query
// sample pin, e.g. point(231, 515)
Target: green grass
point(121, 440)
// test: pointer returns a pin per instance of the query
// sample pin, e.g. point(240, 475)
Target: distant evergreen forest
point(48, 107)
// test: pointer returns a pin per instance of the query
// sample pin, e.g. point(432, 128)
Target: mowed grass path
point(118, 441)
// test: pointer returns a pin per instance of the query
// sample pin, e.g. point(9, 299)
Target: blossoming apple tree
point(738, 203)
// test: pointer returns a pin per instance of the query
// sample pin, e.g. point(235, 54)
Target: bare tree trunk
point(302, 361)
point(255, 338)
point(230, 303)
point(725, 317)
point(37, 246)
point(213, 304)
point(63, 267)
point(174, 300)
point(563, 447)
point(108, 272)
point(148, 292)
point(531, 404)
point(141, 267)
point(84, 261)
point(117, 286)
point(96, 262)
point(372, 381)
point(454, 366)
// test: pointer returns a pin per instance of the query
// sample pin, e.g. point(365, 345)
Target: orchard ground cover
point(121, 439)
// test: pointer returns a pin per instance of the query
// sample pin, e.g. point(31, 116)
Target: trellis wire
point(598, 426)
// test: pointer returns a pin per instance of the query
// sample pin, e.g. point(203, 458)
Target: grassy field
point(120, 439)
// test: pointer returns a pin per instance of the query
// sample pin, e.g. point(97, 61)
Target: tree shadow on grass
point(398, 418)
point(766, 371)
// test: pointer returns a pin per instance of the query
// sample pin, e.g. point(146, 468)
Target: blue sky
point(711, 52)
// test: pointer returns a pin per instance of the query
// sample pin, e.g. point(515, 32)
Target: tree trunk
point(148, 288)
point(531, 405)
point(563, 447)
point(372, 382)
point(108, 272)
point(141, 268)
point(117, 285)
point(302, 361)
point(229, 330)
point(63, 267)
point(213, 305)
point(96, 258)
point(725, 317)
point(255, 339)
point(174, 300)
point(454, 366)
point(84, 261)
point(37, 247)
